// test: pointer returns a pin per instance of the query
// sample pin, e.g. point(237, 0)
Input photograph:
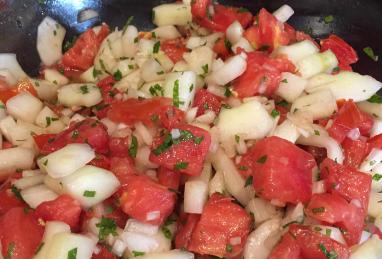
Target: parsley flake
point(133, 149)
point(248, 181)
point(156, 47)
point(84, 89)
point(106, 227)
point(275, 113)
point(89, 194)
point(180, 165)
point(328, 19)
point(117, 75)
point(72, 254)
point(375, 98)
point(262, 159)
point(377, 177)
point(370, 52)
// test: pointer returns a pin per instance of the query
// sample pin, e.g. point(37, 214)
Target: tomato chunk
point(146, 200)
point(169, 178)
point(199, 8)
point(205, 101)
point(7, 92)
point(123, 168)
point(20, 234)
point(374, 142)
point(64, 208)
point(174, 49)
point(8, 201)
point(333, 209)
point(221, 220)
point(350, 117)
point(286, 249)
point(280, 170)
point(354, 151)
point(183, 236)
point(104, 253)
point(184, 154)
point(222, 48)
point(345, 54)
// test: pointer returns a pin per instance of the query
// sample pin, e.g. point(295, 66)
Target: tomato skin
point(42, 139)
point(104, 254)
point(354, 151)
point(187, 151)
point(169, 178)
point(345, 54)
point(101, 161)
point(108, 92)
point(220, 221)
point(350, 117)
point(374, 142)
point(347, 182)
point(286, 249)
point(142, 196)
point(199, 8)
point(221, 49)
point(337, 211)
point(263, 74)
point(123, 168)
point(8, 201)
point(174, 49)
point(183, 236)
point(7, 92)
point(119, 146)
point(22, 231)
point(318, 153)
point(204, 99)
point(280, 170)
point(82, 54)
point(63, 208)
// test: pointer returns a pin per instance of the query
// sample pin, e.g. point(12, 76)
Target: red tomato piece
point(63, 208)
point(108, 94)
point(119, 146)
point(101, 161)
point(318, 153)
point(187, 154)
point(104, 253)
point(8, 201)
point(7, 92)
point(87, 131)
point(301, 36)
point(169, 178)
point(146, 200)
point(20, 234)
point(205, 100)
point(280, 170)
point(221, 48)
point(345, 54)
point(221, 220)
point(286, 249)
point(199, 8)
point(82, 54)
point(354, 151)
point(174, 49)
point(346, 181)
point(42, 139)
point(374, 142)
point(333, 209)
point(263, 74)
point(183, 236)
point(123, 168)
point(350, 117)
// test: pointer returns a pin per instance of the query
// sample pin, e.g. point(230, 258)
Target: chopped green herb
point(377, 177)
point(156, 90)
point(117, 75)
point(175, 94)
point(248, 181)
point(205, 69)
point(160, 72)
point(205, 106)
point(72, 254)
point(227, 92)
point(262, 159)
point(328, 19)
point(191, 87)
point(289, 223)
point(55, 33)
point(70, 43)
point(229, 248)
point(128, 22)
point(167, 143)
point(16, 192)
point(376, 98)
point(106, 227)
point(275, 113)
point(328, 232)
point(10, 250)
point(55, 82)
point(75, 134)
point(226, 106)
point(136, 39)
point(2, 106)
point(39, 247)
point(49, 120)
point(108, 209)
point(89, 194)
point(285, 81)
point(152, 15)
point(61, 71)
point(282, 103)
point(103, 67)
point(237, 138)
point(133, 149)
point(370, 52)
point(243, 168)
point(372, 162)
point(318, 210)
point(227, 44)
point(336, 69)
point(138, 253)
point(156, 47)
point(317, 229)
point(153, 35)
point(316, 132)
point(96, 72)
point(84, 89)
point(131, 67)
point(329, 255)
point(166, 232)
point(242, 10)
point(180, 165)
point(154, 118)
point(45, 163)
point(198, 140)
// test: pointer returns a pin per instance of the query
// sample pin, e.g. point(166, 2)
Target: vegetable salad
point(218, 134)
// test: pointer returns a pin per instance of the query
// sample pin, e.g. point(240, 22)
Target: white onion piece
point(55, 77)
point(377, 128)
point(216, 184)
point(16, 157)
point(319, 105)
point(212, 38)
point(151, 70)
point(233, 180)
point(317, 63)
point(291, 86)
point(232, 68)
point(297, 51)
point(195, 196)
point(318, 187)
point(144, 133)
point(29, 181)
point(244, 44)
point(195, 41)
point(287, 130)
point(354, 134)
point(172, 14)
point(345, 85)
point(28, 173)
point(332, 147)
point(256, 246)
point(294, 213)
point(53, 184)
point(172, 254)
point(79, 95)
point(7, 76)
point(375, 206)
point(8, 61)
point(66, 160)
point(90, 185)
point(46, 91)
point(62, 243)
point(168, 32)
point(371, 249)
point(262, 210)
point(378, 222)
point(283, 13)
point(49, 120)
point(200, 60)
point(372, 160)
point(50, 35)
point(234, 32)
point(86, 14)
point(332, 232)
point(135, 226)
point(374, 109)
point(24, 106)
point(139, 242)
point(376, 183)
point(205, 175)
point(36, 195)
point(118, 247)
point(364, 237)
point(185, 83)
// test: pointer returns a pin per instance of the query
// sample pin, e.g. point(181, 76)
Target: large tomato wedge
point(185, 230)
point(281, 170)
point(221, 220)
point(354, 151)
point(345, 54)
point(184, 154)
point(20, 234)
point(286, 249)
point(146, 200)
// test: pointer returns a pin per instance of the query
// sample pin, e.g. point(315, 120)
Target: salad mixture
point(219, 134)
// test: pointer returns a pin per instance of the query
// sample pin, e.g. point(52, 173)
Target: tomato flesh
point(345, 54)
point(206, 101)
point(174, 49)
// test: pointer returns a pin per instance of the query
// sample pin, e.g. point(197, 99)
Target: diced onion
point(371, 249)
point(234, 32)
point(153, 215)
point(135, 226)
point(372, 160)
point(354, 134)
point(244, 44)
point(180, 86)
point(172, 14)
point(291, 86)
point(139, 242)
point(377, 128)
point(375, 206)
point(287, 130)
point(283, 13)
point(29, 181)
point(79, 95)
point(168, 32)
point(24, 106)
point(231, 69)
point(16, 158)
point(195, 196)
point(172, 254)
point(8, 61)
point(262, 210)
point(317, 63)
point(36, 195)
point(217, 183)
point(7, 76)
point(55, 77)
point(297, 51)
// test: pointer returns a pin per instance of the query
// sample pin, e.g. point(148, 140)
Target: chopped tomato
point(280, 170)
point(63, 208)
point(8, 201)
point(101, 161)
point(318, 153)
point(199, 8)
point(81, 55)
point(119, 146)
point(108, 94)
point(123, 168)
point(148, 111)
point(146, 200)
point(174, 49)
point(87, 131)
point(221, 48)
point(221, 221)
point(183, 236)
point(169, 178)
point(301, 36)
point(286, 249)
point(205, 100)
point(346, 181)
point(333, 209)
point(345, 54)
point(263, 74)
point(104, 253)
point(375, 142)
point(185, 154)
point(20, 234)
point(354, 151)
point(350, 117)
point(7, 92)
point(42, 139)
